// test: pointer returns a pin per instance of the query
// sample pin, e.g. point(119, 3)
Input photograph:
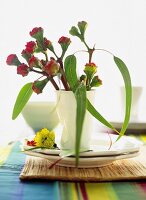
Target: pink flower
point(12, 59)
point(23, 69)
point(64, 40)
point(30, 47)
point(51, 68)
point(35, 31)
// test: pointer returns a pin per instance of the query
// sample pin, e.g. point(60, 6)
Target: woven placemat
point(127, 169)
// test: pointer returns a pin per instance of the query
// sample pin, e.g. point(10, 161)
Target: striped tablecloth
point(11, 188)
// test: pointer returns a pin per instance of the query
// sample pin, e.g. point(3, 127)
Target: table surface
point(11, 188)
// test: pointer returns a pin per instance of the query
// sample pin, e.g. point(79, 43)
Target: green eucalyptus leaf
point(70, 71)
point(98, 116)
point(128, 90)
point(22, 98)
point(80, 95)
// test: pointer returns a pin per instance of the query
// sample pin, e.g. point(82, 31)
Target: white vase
point(66, 110)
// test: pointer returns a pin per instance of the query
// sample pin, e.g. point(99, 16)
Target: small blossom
point(25, 55)
point(30, 47)
point(36, 89)
point(82, 26)
point(12, 59)
point(45, 138)
point(31, 143)
point(23, 69)
point(74, 31)
point(36, 31)
point(38, 86)
point(51, 68)
point(90, 69)
point(48, 44)
point(33, 62)
point(64, 40)
point(96, 82)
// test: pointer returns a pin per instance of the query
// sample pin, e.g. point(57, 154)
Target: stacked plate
point(104, 150)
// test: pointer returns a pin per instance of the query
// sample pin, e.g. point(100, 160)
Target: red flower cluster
point(30, 47)
point(64, 40)
point(51, 68)
point(33, 61)
point(31, 143)
point(36, 89)
point(91, 64)
point(35, 31)
point(11, 58)
point(23, 69)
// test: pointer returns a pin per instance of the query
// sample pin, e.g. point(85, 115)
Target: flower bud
point(48, 44)
point(34, 62)
point(96, 82)
point(74, 31)
point(30, 47)
point(64, 42)
point(83, 79)
point(38, 86)
point(51, 68)
point(23, 69)
point(12, 59)
point(82, 26)
point(37, 33)
point(25, 55)
point(90, 69)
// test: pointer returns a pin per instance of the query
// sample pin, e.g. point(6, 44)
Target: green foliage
point(22, 98)
point(98, 116)
point(70, 71)
point(80, 95)
point(128, 89)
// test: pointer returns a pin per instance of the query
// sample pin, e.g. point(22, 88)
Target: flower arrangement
point(64, 67)
point(43, 139)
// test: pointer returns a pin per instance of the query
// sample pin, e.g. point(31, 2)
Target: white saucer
point(100, 146)
point(101, 155)
point(83, 162)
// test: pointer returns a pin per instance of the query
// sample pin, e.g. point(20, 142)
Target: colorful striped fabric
point(11, 188)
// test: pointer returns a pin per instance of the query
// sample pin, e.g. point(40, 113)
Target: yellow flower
point(45, 138)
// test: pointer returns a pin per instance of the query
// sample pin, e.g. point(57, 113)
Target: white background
point(116, 25)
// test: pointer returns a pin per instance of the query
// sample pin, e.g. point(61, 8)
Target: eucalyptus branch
point(63, 77)
point(46, 56)
point(105, 51)
point(55, 54)
point(49, 77)
point(80, 51)
point(38, 72)
point(53, 82)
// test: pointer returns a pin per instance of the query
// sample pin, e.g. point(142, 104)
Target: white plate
point(100, 146)
point(83, 162)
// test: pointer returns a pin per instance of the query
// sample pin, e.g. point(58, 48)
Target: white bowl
point(40, 115)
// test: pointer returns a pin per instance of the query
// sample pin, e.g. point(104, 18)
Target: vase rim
point(63, 90)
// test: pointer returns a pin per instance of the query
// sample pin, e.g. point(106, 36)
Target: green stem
point(86, 45)
point(53, 82)
point(63, 77)
point(46, 56)
point(49, 77)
